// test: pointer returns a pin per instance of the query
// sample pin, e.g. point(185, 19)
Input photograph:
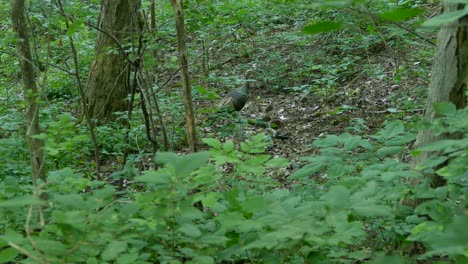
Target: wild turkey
point(236, 100)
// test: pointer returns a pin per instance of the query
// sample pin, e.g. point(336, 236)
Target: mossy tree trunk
point(449, 76)
point(108, 85)
point(36, 146)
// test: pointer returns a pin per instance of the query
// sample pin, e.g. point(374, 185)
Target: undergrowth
point(344, 206)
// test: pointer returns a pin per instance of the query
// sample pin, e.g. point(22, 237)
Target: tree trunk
point(36, 146)
point(108, 85)
point(449, 75)
point(181, 43)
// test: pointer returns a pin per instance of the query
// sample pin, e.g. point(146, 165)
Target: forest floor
point(293, 120)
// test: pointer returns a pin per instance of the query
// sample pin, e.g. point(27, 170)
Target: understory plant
point(343, 206)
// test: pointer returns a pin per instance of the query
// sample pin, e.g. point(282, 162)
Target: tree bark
point(108, 85)
point(449, 75)
point(36, 146)
point(181, 44)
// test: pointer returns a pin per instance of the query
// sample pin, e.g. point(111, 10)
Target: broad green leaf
point(8, 255)
point(245, 147)
point(393, 129)
point(161, 177)
point(431, 162)
point(214, 143)
point(400, 140)
point(445, 108)
point(211, 199)
point(393, 259)
point(445, 18)
point(129, 209)
point(190, 230)
point(113, 249)
point(21, 201)
point(127, 258)
point(266, 241)
point(437, 210)
point(70, 201)
point(328, 141)
point(320, 27)
point(350, 142)
point(309, 169)
point(74, 27)
point(442, 145)
point(453, 240)
point(277, 163)
point(12, 236)
point(183, 165)
point(389, 151)
point(51, 247)
point(201, 260)
point(189, 163)
point(371, 210)
point(228, 146)
point(255, 204)
point(401, 14)
point(258, 160)
point(166, 158)
point(337, 196)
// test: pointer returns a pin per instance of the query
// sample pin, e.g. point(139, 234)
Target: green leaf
point(328, 141)
point(74, 27)
point(350, 142)
point(183, 165)
point(445, 108)
point(228, 146)
point(70, 201)
point(369, 209)
point(51, 247)
point(337, 196)
point(202, 260)
point(214, 143)
point(393, 259)
point(189, 163)
point(277, 163)
point(442, 145)
point(401, 14)
point(393, 129)
point(310, 169)
point(211, 199)
point(320, 27)
point(12, 236)
point(190, 230)
point(8, 255)
point(113, 249)
point(389, 151)
point(431, 162)
point(26, 200)
point(127, 258)
point(445, 18)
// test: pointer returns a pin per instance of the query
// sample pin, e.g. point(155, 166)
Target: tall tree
point(36, 146)
point(182, 47)
point(449, 76)
point(108, 85)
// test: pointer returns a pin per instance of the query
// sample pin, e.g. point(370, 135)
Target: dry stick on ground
point(89, 122)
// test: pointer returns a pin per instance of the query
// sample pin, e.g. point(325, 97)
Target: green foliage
point(344, 206)
point(63, 143)
point(445, 206)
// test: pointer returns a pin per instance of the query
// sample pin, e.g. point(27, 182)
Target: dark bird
point(236, 100)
